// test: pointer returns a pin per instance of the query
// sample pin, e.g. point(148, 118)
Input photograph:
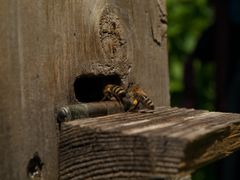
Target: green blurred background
point(187, 20)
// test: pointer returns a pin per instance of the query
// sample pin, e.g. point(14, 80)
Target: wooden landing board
point(166, 142)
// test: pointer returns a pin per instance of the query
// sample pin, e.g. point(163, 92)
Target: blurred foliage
point(186, 21)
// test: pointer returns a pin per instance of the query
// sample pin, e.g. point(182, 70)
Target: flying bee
point(138, 98)
point(114, 91)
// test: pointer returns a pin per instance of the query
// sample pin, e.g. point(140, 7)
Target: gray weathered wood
point(27, 90)
point(166, 143)
point(46, 44)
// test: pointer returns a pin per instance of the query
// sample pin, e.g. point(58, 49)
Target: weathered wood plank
point(166, 143)
point(26, 80)
point(46, 44)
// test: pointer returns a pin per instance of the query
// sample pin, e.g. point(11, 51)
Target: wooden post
point(46, 44)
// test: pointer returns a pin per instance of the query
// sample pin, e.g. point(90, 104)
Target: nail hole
point(34, 167)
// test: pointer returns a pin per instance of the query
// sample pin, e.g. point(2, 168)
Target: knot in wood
point(111, 33)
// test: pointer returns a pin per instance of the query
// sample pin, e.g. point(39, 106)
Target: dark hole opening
point(34, 166)
point(89, 87)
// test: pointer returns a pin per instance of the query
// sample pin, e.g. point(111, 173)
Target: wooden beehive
point(56, 53)
point(45, 45)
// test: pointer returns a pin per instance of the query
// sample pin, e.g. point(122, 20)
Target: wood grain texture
point(169, 142)
point(108, 37)
point(46, 44)
point(26, 93)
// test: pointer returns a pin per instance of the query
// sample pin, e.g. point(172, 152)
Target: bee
point(138, 98)
point(114, 91)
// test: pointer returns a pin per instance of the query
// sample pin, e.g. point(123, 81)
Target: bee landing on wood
point(138, 98)
point(114, 91)
point(133, 98)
